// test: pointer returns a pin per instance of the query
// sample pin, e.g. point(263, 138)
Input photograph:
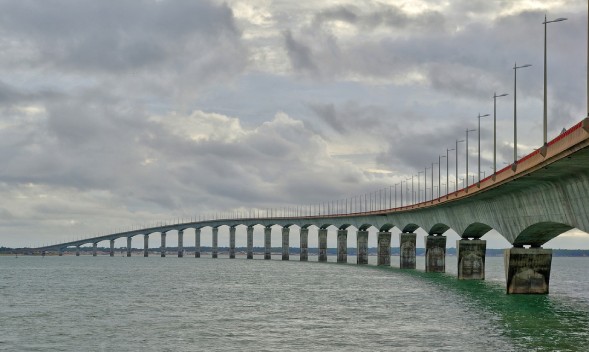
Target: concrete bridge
point(529, 203)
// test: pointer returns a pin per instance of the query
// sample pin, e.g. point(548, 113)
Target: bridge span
point(530, 202)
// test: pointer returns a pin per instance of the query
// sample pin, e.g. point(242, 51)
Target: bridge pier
point(214, 250)
point(129, 246)
point(384, 249)
point(77, 251)
point(232, 242)
point(362, 247)
point(435, 254)
point(250, 242)
point(197, 243)
point(94, 248)
point(180, 243)
point(267, 243)
point(304, 244)
point(146, 245)
point(342, 246)
point(112, 248)
point(407, 250)
point(471, 259)
point(527, 270)
point(285, 243)
point(322, 245)
point(60, 252)
point(163, 246)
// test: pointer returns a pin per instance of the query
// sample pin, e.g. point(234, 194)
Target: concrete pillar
point(285, 243)
point(215, 242)
point(94, 249)
point(304, 244)
point(232, 242)
point(180, 243)
point(407, 250)
point(362, 247)
point(435, 254)
point(129, 246)
point(250, 242)
point(471, 259)
point(527, 270)
point(267, 243)
point(112, 248)
point(77, 251)
point(322, 245)
point(197, 243)
point(384, 248)
point(163, 246)
point(60, 252)
point(145, 245)
point(342, 246)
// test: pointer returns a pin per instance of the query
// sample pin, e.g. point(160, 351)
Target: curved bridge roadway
point(530, 202)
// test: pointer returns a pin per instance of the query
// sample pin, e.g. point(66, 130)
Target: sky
point(117, 115)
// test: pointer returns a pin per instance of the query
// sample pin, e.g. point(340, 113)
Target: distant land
point(294, 251)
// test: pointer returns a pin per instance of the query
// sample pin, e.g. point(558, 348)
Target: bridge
point(530, 202)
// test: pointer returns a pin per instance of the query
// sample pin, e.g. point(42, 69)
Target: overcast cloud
point(124, 113)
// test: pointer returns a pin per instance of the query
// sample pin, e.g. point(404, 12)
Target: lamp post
point(433, 182)
point(495, 96)
point(447, 176)
point(467, 130)
point(515, 68)
point(456, 186)
point(425, 185)
point(480, 146)
point(418, 186)
point(545, 23)
point(439, 173)
point(412, 191)
point(401, 193)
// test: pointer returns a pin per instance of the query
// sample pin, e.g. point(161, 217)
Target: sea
point(202, 304)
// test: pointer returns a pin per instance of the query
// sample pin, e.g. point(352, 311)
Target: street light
point(467, 130)
point(418, 187)
point(480, 145)
point(425, 184)
point(433, 182)
point(515, 68)
point(495, 96)
point(447, 176)
point(545, 23)
point(456, 186)
point(439, 173)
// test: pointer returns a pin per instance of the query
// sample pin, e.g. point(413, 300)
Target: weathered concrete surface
point(322, 245)
point(304, 244)
point(129, 246)
point(285, 243)
point(77, 251)
point(146, 245)
point(112, 248)
point(407, 250)
point(435, 254)
point(471, 259)
point(232, 242)
point(527, 270)
point(250, 242)
point(94, 248)
point(180, 243)
point(215, 249)
point(342, 246)
point(163, 245)
point(362, 247)
point(384, 248)
point(197, 242)
point(267, 243)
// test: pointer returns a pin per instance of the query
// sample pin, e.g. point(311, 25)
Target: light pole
point(418, 186)
point(447, 176)
point(515, 68)
point(412, 191)
point(545, 23)
point(467, 130)
point(480, 146)
point(401, 193)
point(433, 182)
point(425, 185)
point(439, 173)
point(456, 186)
point(495, 96)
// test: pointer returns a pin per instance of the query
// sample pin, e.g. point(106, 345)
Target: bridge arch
point(364, 227)
point(476, 230)
point(438, 229)
point(386, 227)
point(411, 227)
point(539, 233)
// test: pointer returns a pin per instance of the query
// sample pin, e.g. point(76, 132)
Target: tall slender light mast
point(515, 68)
point(447, 176)
point(467, 130)
point(439, 174)
point(479, 178)
point(545, 23)
point(456, 185)
point(495, 96)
